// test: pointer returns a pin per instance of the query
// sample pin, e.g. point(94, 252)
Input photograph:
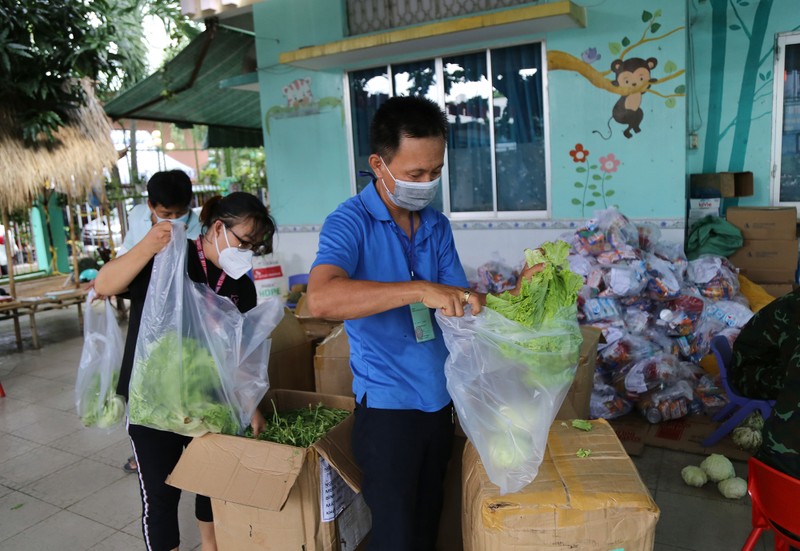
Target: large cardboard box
point(777, 289)
point(595, 503)
point(273, 497)
point(721, 184)
point(291, 356)
point(764, 222)
point(576, 403)
point(315, 328)
point(333, 375)
point(767, 260)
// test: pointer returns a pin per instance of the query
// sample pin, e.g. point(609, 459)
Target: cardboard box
point(767, 260)
point(291, 356)
point(764, 222)
point(595, 503)
point(576, 403)
point(768, 275)
point(777, 289)
point(721, 184)
point(269, 496)
point(315, 328)
point(333, 375)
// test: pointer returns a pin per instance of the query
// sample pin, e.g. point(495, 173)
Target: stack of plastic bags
point(658, 313)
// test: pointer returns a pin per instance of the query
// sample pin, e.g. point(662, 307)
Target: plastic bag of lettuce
point(510, 367)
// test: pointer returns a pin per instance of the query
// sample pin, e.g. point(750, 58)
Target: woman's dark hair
point(170, 189)
point(239, 207)
point(405, 117)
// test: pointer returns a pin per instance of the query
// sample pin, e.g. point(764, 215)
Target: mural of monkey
point(631, 73)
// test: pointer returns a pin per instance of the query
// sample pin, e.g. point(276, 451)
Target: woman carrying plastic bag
point(194, 347)
point(509, 377)
point(96, 399)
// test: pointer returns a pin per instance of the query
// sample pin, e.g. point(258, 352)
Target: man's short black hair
point(405, 117)
point(170, 189)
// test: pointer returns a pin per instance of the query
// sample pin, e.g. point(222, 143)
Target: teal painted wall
point(717, 51)
point(645, 176)
point(732, 93)
point(304, 137)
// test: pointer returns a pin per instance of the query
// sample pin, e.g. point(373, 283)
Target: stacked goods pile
point(658, 313)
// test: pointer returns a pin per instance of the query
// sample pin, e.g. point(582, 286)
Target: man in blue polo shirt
point(385, 260)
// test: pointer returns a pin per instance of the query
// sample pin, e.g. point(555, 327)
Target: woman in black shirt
point(233, 227)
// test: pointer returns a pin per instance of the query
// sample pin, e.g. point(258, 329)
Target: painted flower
point(579, 154)
point(609, 163)
point(590, 55)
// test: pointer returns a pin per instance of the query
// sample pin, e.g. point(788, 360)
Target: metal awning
point(194, 87)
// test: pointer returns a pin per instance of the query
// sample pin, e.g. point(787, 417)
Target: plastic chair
point(2, 392)
point(738, 406)
point(776, 505)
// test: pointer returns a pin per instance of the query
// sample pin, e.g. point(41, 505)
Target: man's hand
point(450, 300)
point(157, 238)
point(527, 273)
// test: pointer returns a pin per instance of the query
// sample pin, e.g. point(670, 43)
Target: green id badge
point(423, 326)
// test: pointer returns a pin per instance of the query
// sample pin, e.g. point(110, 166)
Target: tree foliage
point(47, 47)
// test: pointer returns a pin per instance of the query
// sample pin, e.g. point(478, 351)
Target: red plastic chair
point(776, 505)
point(2, 392)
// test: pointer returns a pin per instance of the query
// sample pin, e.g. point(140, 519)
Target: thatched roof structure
point(72, 166)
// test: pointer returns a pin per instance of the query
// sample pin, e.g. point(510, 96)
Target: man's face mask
point(411, 196)
point(233, 261)
point(184, 219)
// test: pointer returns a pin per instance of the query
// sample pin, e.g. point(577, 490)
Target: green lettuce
point(105, 415)
point(176, 387)
point(546, 305)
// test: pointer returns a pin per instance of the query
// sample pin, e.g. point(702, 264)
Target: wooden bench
point(40, 295)
point(10, 310)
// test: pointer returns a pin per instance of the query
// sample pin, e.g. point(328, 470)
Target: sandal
point(131, 466)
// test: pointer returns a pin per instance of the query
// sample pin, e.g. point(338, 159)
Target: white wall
point(297, 249)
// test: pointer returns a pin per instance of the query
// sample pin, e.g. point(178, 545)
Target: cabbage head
point(718, 467)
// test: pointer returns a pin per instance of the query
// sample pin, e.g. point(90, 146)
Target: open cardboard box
point(594, 503)
point(270, 496)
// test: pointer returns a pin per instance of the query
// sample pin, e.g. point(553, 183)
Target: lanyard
point(410, 251)
point(202, 256)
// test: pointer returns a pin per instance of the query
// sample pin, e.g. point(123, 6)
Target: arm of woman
point(115, 276)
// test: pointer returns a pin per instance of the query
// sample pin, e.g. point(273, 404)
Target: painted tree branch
point(644, 40)
point(741, 22)
point(659, 94)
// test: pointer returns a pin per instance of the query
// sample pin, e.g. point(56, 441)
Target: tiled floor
point(62, 486)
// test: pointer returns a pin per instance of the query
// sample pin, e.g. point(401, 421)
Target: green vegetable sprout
point(300, 427)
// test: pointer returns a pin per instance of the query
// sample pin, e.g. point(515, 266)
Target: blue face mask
point(180, 220)
point(411, 196)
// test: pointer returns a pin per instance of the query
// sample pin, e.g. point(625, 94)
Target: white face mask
point(233, 261)
point(411, 196)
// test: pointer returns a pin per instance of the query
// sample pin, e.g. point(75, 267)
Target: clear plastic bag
point(96, 399)
point(200, 365)
point(507, 383)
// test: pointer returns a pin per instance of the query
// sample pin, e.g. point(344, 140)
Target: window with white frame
point(496, 148)
point(786, 121)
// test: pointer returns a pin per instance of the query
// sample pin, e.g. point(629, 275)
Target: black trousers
point(403, 456)
point(157, 452)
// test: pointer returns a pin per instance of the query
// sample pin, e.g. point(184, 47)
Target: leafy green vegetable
point(546, 304)
point(582, 424)
point(106, 414)
point(175, 386)
point(694, 476)
point(300, 427)
point(583, 452)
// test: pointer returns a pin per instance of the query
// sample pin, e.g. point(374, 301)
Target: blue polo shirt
point(388, 364)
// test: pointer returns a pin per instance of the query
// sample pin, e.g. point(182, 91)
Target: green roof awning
point(195, 87)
